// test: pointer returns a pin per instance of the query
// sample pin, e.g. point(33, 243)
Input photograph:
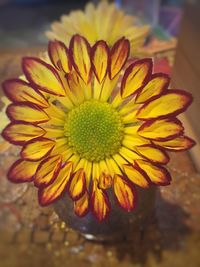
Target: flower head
point(88, 120)
point(105, 21)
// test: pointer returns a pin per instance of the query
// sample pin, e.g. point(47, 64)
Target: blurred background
point(34, 236)
point(23, 22)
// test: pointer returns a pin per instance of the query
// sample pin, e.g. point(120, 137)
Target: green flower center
point(94, 130)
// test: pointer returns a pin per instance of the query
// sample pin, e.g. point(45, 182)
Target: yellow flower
point(89, 120)
point(104, 22)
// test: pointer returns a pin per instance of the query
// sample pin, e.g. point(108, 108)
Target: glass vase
point(119, 223)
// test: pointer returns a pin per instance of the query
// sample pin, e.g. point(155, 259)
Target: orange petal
point(99, 58)
point(59, 56)
point(159, 83)
point(125, 193)
point(157, 174)
point(47, 171)
point(19, 133)
point(55, 190)
point(37, 149)
point(22, 171)
point(20, 91)
point(100, 204)
point(80, 51)
point(136, 76)
point(43, 75)
point(26, 113)
point(136, 175)
point(161, 129)
point(105, 181)
point(171, 103)
point(81, 206)
point(177, 144)
point(77, 185)
point(118, 56)
point(153, 154)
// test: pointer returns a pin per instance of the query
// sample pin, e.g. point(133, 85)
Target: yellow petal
point(128, 154)
point(118, 56)
point(20, 91)
point(100, 204)
point(105, 181)
point(26, 113)
point(59, 56)
point(77, 185)
point(130, 117)
point(130, 141)
point(42, 75)
point(157, 174)
point(80, 51)
point(99, 58)
point(158, 83)
point(161, 129)
point(125, 193)
point(55, 190)
point(47, 171)
point(52, 133)
point(136, 76)
point(107, 87)
point(75, 85)
point(81, 206)
point(172, 102)
point(113, 167)
point(153, 154)
point(21, 132)
point(177, 144)
point(22, 171)
point(136, 175)
point(37, 149)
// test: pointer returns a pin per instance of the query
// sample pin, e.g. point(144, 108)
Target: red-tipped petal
point(157, 174)
point(59, 56)
point(180, 143)
point(47, 171)
point(118, 56)
point(18, 133)
point(170, 103)
point(81, 206)
point(136, 76)
point(100, 204)
point(22, 171)
point(54, 191)
point(37, 149)
point(136, 175)
point(26, 113)
point(77, 185)
point(161, 130)
point(158, 83)
point(99, 59)
point(20, 91)
point(125, 193)
point(80, 55)
point(153, 154)
point(43, 75)
point(105, 181)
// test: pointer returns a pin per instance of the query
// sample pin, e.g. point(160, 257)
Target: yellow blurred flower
point(104, 22)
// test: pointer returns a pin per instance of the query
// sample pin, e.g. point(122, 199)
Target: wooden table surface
point(32, 236)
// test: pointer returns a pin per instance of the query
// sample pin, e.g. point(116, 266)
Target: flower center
point(94, 130)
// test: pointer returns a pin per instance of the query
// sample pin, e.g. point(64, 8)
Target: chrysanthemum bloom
point(88, 122)
point(106, 22)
